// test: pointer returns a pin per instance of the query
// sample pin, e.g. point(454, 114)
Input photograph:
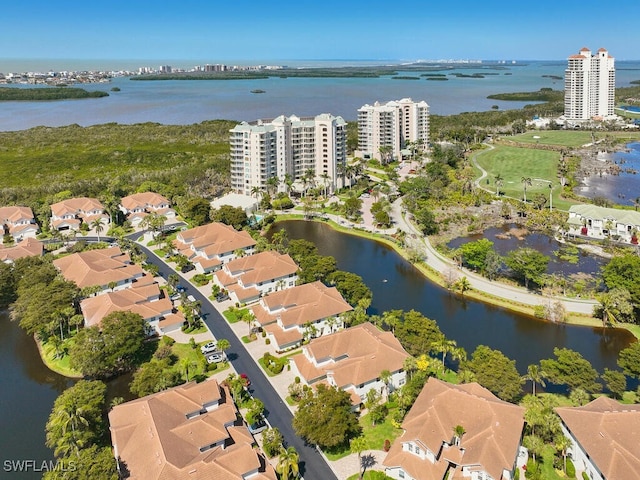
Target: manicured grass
point(234, 314)
point(58, 364)
point(269, 372)
point(196, 359)
point(513, 163)
point(563, 138)
point(374, 435)
point(371, 475)
point(201, 329)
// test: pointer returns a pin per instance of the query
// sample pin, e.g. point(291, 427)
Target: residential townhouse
point(353, 360)
point(109, 269)
point(18, 222)
point(70, 214)
point(189, 432)
point(248, 278)
point(29, 247)
point(137, 206)
point(601, 222)
point(210, 246)
point(605, 439)
point(429, 449)
point(305, 311)
point(143, 298)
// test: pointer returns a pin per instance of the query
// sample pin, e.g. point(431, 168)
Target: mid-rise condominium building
point(589, 86)
point(384, 130)
point(306, 152)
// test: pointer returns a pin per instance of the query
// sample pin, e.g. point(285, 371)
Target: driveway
point(312, 464)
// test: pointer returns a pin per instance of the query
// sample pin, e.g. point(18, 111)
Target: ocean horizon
point(182, 102)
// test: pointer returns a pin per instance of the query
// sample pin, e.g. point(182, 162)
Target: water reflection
point(470, 323)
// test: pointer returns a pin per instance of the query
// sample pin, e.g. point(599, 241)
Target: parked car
point(216, 356)
point(208, 348)
point(258, 426)
point(187, 268)
point(180, 288)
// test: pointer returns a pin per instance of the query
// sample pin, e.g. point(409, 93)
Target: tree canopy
point(234, 216)
point(629, 360)
point(475, 253)
point(324, 417)
point(112, 348)
point(417, 333)
point(496, 372)
point(527, 264)
point(572, 369)
point(624, 273)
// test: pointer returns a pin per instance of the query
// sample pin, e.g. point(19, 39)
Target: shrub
point(163, 351)
point(297, 379)
point(200, 279)
point(192, 342)
point(571, 469)
point(267, 341)
point(212, 367)
point(264, 334)
point(166, 340)
point(387, 445)
point(585, 476)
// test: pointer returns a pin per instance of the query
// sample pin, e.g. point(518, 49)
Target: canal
point(396, 284)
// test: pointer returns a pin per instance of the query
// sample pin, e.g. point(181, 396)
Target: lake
point(396, 284)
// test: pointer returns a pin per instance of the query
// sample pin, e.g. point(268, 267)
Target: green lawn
point(564, 138)
point(196, 359)
point(513, 163)
point(233, 314)
point(375, 435)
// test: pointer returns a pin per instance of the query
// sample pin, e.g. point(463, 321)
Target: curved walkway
point(507, 292)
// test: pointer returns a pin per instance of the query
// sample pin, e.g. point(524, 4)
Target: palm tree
point(97, 225)
point(443, 345)
point(69, 420)
point(563, 444)
point(185, 365)
point(463, 285)
point(359, 445)
point(287, 466)
point(385, 376)
point(410, 365)
point(325, 181)
point(256, 191)
point(272, 183)
point(535, 375)
point(499, 182)
point(223, 345)
point(526, 181)
point(458, 432)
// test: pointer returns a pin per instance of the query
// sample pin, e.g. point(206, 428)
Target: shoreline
point(435, 276)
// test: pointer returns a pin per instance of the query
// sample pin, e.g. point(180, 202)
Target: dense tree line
point(51, 93)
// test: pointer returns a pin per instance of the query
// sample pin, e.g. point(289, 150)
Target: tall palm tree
point(526, 181)
point(287, 466)
point(536, 375)
point(385, 376)
point(563, 444)
point(69, 419)
point(256, 191)
point(97, 225)
point(359, 445)
point(325, 182)
point(499, 183)
point(443, 345)
point(463, 285)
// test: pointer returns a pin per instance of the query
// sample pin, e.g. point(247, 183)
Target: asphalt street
point(312, 464)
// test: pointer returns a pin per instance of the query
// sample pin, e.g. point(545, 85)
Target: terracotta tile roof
point(13, 215)
point(308, 370)
point(284, 337)
point(171, 319)
point(29, 247)
point(157, 441)
point(493, 430)
point(76, 206)
point(140, 299)
point(66, 221)
point(16, 229)
point(261, 267)
point(144, 200)
point(357, 355)
point(98, 267)
point(215, 239)
point(578, 56)
point(301, 304)
point(609, 432)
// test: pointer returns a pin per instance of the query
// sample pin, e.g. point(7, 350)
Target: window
point(410, 447)
point(401, 474)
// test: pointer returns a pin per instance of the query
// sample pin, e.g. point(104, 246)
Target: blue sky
point(223, 30)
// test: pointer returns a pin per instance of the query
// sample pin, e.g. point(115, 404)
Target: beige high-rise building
point(589, 86)
point(308, 151)
point(384, 130)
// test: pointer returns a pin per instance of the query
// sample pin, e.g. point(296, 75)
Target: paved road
point(312, 465)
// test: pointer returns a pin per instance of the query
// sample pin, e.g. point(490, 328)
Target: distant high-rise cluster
point(589, 86)
point(303, 151)
point(384, 130)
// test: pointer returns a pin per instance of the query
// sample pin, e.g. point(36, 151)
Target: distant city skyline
point(404, 30)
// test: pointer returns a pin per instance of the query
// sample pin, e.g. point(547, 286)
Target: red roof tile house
point(310, 310)
point(69, 214)
point(210, 246)
point(190, 432)
point(605, 438)
point(104, 268)
point(18, 222)
point(139, 205)
point(429, 450)
point(352, 360)
point(143, 299)
point(29, 247)
point(248, 278)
